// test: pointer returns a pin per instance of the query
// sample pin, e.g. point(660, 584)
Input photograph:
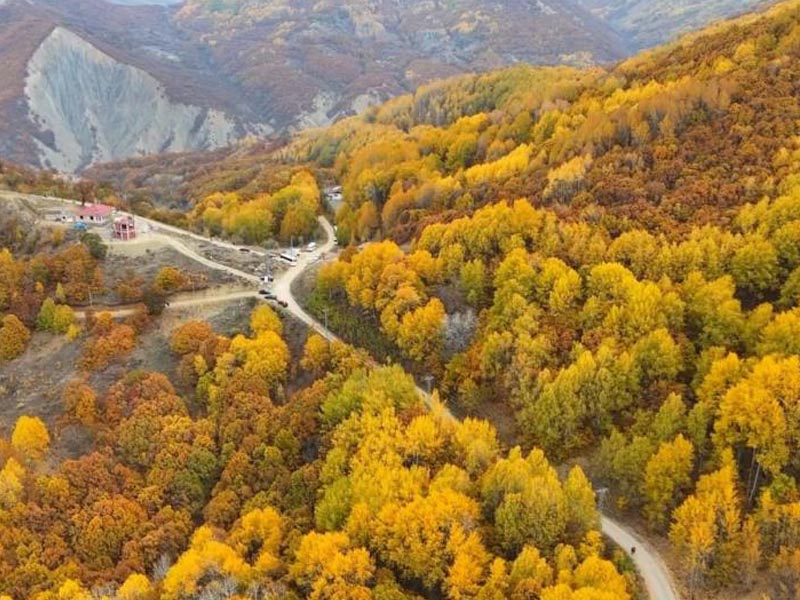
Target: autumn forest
point(594, 272)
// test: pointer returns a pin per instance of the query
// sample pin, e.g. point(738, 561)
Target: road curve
point(651, 567)
point(654, 573)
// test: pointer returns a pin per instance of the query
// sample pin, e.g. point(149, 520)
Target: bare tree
point(459, 328)
point(160, 568)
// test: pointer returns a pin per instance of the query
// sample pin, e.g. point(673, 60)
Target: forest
point(612, 258)
point(598, 270)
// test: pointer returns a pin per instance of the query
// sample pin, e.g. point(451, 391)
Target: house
point(94, 214)
point(124, 228)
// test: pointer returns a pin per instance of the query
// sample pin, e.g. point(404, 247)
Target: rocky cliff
point(89, 108)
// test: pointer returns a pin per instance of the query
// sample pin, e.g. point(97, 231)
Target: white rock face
point(91, 108)
point(324, 102)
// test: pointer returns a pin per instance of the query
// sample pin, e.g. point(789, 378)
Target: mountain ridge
point(285, 66)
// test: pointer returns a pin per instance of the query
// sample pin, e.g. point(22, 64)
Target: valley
point(451, 301)
point(657, 579)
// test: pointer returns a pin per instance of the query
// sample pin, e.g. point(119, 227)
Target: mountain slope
point(127, 70)
point(330, 58)
point(90, 106)
point(221, 70)
point(646, 23)
point(248, 66)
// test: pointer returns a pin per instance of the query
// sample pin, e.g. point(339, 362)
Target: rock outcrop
point(89, 108)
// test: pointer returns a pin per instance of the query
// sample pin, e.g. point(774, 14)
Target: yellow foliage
point(205, 555)
point(260, 529)
point(135, 587)
point(11, 478)
point(264, 319)
point(30, 437)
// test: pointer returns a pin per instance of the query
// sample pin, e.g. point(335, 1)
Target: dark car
point(244, 249)
point(268, 294)
point(283, 303)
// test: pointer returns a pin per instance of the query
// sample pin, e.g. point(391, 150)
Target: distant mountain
point(647, 23)
point(328, 58)
point(84, 81)
point(90, 81)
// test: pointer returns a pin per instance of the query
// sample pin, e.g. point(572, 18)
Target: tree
point(14, 338)
point(169, 279)
point(155, 300)
point(257, 537)
point(750, 417)
point(782, 335)
point(263, 319)
point(30, 438)
point(415, 537)
point(104, 528)
point(54, 318)
point(707, 529)
point(755, 266)
point(11, 483)
point(80, 402)
point(189, 337)
point(135, 587)
point(582, 514)
point(667, 476)
point(95, 244)
point(316, 354)
point(421, 332)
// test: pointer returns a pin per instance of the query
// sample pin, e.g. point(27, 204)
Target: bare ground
point(33, 384)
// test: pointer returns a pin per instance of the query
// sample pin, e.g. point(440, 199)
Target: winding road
point(654, 572)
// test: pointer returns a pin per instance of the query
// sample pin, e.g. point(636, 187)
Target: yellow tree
point(264, 319)
point(14, 338)
point(135, 587)
point(420, 332)
point(707, 529)
point(30, 438)
point(667, 475)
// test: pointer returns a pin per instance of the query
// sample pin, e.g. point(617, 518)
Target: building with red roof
point(94, 214)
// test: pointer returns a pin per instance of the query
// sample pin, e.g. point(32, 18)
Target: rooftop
point(95, 210)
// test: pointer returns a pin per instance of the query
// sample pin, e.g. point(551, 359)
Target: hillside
point(66, 62)
point(587, 266)
point(331, 58)
point(212, 73)
point(648, 23)
point(604, 263)
point(210, 77)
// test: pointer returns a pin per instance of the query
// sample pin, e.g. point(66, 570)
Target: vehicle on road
point(267, 294)
point(268, 279)
point(311, 247)
point(244, 250)
point(283, 303)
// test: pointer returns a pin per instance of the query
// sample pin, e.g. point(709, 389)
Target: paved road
point(654, 572)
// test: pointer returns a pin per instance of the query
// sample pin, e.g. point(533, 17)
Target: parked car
point(283, 303)
point(245, 250)
point(268, 279)
point(267, 294)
